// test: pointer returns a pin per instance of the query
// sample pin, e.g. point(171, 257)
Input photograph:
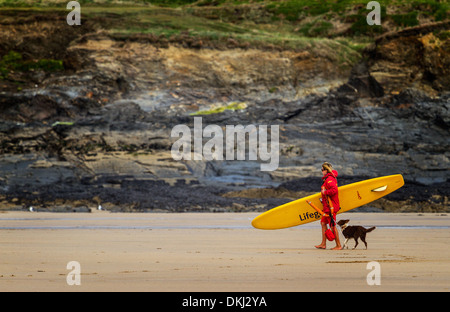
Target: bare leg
point(323, 245)
point(338, 242)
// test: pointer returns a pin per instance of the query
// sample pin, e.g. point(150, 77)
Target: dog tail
point(371, 229)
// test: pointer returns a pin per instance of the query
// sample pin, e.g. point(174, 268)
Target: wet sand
point(217, 252)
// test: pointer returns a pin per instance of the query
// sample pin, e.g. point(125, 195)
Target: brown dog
point(354, 232)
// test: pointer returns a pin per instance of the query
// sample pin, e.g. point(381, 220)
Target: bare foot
point(321, 247)
point(337, 248)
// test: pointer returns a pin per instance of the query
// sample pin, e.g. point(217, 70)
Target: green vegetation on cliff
point(336, 29)
point(13, 61)
point(307, 17)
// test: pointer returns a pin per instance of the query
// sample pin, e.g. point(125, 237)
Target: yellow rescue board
point(351, 196)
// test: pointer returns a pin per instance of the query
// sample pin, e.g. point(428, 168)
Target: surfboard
point(351, 196)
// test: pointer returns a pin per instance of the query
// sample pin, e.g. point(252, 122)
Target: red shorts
point(327, 220)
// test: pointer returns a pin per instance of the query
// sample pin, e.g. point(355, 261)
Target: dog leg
point(363, 238)
point(345, 244)
point(356, 241)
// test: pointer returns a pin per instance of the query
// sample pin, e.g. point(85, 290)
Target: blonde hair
point(328, 167)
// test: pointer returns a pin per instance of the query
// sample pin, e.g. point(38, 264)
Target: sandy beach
point(217, 252)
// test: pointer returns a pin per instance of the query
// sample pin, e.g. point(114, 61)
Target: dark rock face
point(362, 83)
point(100, 132)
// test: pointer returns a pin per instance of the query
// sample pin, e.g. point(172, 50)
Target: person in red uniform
point(330, 202)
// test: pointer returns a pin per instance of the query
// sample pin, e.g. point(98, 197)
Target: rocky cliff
point(96, 129)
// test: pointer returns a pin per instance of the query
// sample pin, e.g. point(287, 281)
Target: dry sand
point(217, 252)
